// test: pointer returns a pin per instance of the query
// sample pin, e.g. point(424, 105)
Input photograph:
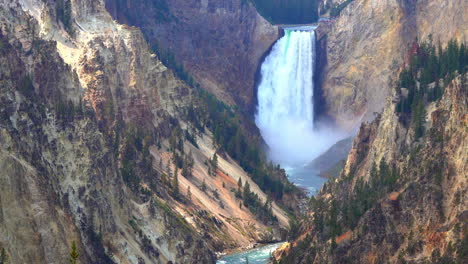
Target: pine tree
point(214, 164)
point(168, 169)
point(247, 194)
point(239, 182)
point(462, 59)
point(73, 254)
point(188, 165)
point(175, 183)
point(419, 117)
point(163, 178)
point(190, 161)
point(204, 187)
point(3, 257)
point(333, 244)
point(189, 193)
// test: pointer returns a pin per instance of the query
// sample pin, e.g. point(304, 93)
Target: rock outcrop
point(400, 198)
point(367, 43)
point(86, 116)
point(220, 43)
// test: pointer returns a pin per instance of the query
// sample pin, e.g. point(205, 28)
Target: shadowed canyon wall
point(220, 43)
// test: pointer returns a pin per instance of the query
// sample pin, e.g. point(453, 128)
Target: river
point(259, 255)
point(285, 117)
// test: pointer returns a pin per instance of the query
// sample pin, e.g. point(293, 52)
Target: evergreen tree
point(214, 164)
point(73, 254)
point(3, 257)
point(168, 170)
point(463, 59)
point(189, 193)
point(63, 10)
point(175, 183)
point(247, 194)
point(419, 118)
point(204, 187)
point(239, 182)
point(187, 168)
point(164, 178)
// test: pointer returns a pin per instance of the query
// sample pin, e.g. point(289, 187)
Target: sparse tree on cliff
point(204, 187)
point(214, 164)
point(73, 254)
point(3, 257)
point(189, 193)
point(175, 183)
point(168, 169)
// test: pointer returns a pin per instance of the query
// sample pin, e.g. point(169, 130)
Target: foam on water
point(285, 101)
point(259, 255)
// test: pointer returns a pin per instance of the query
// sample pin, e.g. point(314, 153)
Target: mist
point(285, 102)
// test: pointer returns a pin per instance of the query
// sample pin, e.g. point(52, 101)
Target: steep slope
point(401, 197)
point(365, 45)
point(89, 123)
point(219, 43)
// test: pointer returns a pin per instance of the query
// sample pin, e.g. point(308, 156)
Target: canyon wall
point(366, 45)
point(220, 43)
point(401, 195)
point(86, 155)
point(400, 198)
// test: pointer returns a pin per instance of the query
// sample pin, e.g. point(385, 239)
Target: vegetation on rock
point(73, 254)
point(386, 203)
point(288, 11)
point(63, 11)
point(429, 70)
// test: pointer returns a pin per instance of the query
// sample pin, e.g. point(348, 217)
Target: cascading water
point(286, 119)
point(285, 114)
point(285, 103)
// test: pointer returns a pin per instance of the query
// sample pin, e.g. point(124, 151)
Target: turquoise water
point(288, 37)
point(259, 255)
point(306, 178)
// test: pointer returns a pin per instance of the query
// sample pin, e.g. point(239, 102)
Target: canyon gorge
point(181, 131)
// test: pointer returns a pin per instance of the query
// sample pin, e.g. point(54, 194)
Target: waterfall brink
point(285, 99)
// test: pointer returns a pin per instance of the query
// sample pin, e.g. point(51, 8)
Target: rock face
point(85, 118)
point(421, 218)
point(219, 42)
point(366, 44)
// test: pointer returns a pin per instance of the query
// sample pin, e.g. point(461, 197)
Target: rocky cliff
point(367, 42)
point(401, 198)
point(219, 43)
point(96, 148)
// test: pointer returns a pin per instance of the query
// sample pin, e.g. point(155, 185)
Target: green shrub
point(63, 11)
point(428, 65)
point(288, 11)
point(26, 86)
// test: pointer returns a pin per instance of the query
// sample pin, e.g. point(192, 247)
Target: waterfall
point(285, 98)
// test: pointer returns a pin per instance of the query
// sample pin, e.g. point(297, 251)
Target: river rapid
point(259, 255)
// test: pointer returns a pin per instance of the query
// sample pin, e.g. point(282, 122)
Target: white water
point(259, 255)
point(285, 101)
